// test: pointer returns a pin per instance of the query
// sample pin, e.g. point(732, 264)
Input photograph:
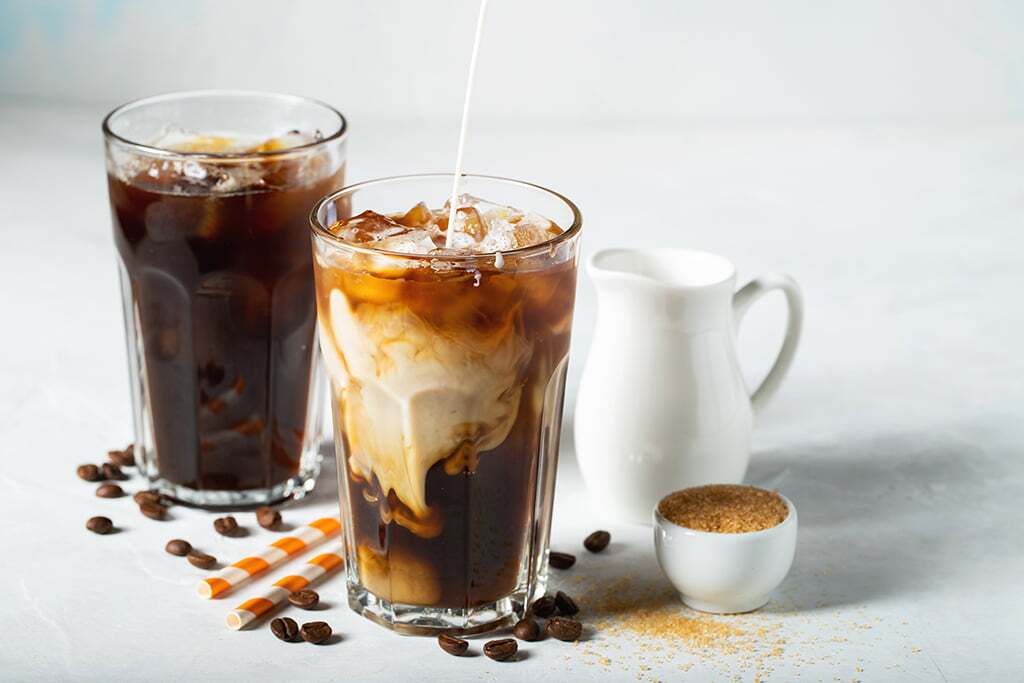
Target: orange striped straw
point(254, 608)
point(232, 576)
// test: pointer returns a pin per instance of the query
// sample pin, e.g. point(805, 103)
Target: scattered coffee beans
point(561, 560)
point(109, 491)
point(153, 510)
point(149, 497)
point(285, 629)
point(543, 607)
point(304, 599)
point(178, 547)
point(125, 458)
point(500, 650)
point(527, 629)
point(316, 632)
point(268, 517)
point(452, 645)
point(597, 541)
point(565, 629)
point(99, 525)
point(201, 560)
point(112, 472)
point(89, 472)
point(226, 526)
point(565, 605)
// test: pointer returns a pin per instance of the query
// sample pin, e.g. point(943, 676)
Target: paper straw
point(254, 608)
point(274, 554)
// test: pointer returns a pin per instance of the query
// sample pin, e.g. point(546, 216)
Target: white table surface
point(898, 434)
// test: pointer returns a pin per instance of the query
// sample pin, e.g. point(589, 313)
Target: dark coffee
point(217, 260)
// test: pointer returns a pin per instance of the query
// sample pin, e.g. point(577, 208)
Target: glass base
point(417, 620)
point(291, 489)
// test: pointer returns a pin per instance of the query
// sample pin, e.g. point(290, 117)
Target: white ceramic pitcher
point(662, 404)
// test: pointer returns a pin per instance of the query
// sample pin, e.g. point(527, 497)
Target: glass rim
point(152, 150)
point(321, 230)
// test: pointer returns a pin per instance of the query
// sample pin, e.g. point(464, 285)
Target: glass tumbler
point(447, 372)
point(210, 194)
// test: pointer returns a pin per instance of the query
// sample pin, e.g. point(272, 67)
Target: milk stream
point(453, 204)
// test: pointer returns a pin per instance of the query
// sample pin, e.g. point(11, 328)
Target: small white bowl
point(725, 573)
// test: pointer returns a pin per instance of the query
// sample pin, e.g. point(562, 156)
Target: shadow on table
point(326, 490)
point(878, 517)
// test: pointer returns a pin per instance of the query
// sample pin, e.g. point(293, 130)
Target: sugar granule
point(724, 508)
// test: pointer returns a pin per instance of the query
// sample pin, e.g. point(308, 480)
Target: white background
point(874, 150)
point(569, 61)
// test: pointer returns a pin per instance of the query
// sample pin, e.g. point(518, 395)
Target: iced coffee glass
point(447, 361)
point(210, 194)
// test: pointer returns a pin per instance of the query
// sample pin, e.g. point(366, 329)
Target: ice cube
point(463, 200)
point(369, 226)
point(532, 229)
point(480, 227)
point(178, 139)
point(461, 241)
point(293, 138)
point(237, 177)
point(410, 242)
point(500, 235)
point(417, 217)
point(468, 220)
point(194, 170)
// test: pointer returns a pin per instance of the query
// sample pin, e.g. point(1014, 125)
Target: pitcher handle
point(744, 298)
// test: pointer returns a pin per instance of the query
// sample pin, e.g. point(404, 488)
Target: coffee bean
point(149, 497)
point(285, 629)
point(544, 607)
point(565, 629)
point(89, 472)
point(527, 629)
point(201, 560)
point(226, 526)
point(597, 541)
point(304, 599)
point(125, 458)
point(316, 632)
point(112, 472)
point(99, 525)
point(153, 510)
point(178, 547)
point(452, 645)
point(561, 560)
point(565, 605)
point(109, 491)
point(268, 517)
point(500, 650)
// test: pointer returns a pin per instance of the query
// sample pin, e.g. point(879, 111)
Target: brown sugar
point(658, 615)
point(641, 624)
point(724, 508)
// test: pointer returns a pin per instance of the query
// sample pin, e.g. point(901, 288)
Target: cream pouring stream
point(454, 201)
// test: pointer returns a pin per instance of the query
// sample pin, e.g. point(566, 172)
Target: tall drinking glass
point(210, 194)
point(448, 372)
